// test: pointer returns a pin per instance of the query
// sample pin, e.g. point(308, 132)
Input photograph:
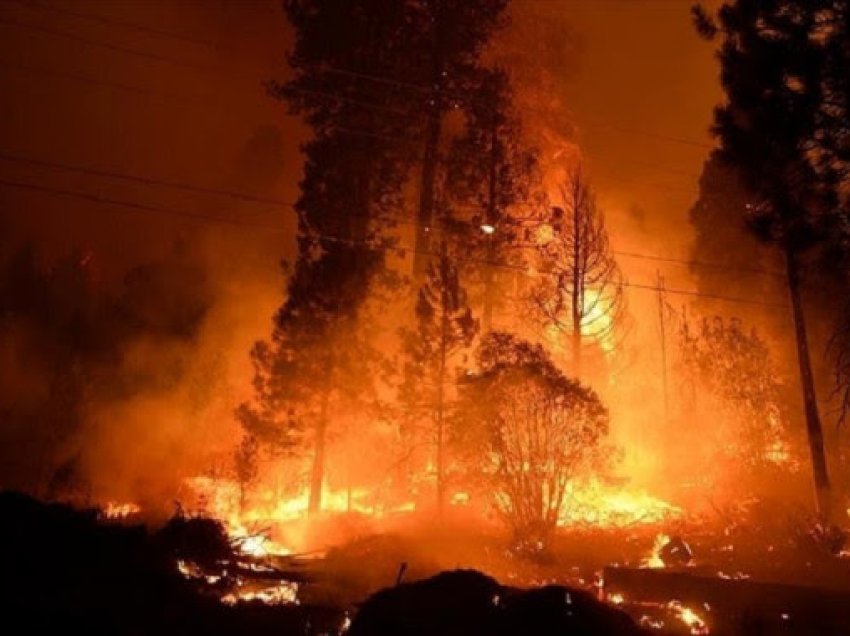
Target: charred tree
point(579, 293)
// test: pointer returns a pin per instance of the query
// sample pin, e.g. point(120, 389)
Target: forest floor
point(63, 570)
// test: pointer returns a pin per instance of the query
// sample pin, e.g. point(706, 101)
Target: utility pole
point(660, 289)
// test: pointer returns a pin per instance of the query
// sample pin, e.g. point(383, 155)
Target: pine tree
point(349, 60)
point(493, 172)
point(773, 68)
point(444, 328)
point(455, 33)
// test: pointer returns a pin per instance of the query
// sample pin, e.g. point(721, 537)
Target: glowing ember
point(285, 593)
point(654, 559)
point(115, 510)
point(616, 598)
point(255, 545)
point(346, 624)
point(689, 617)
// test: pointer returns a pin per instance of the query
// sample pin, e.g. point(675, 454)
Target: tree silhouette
point(535, 430)
point(444, 328)
point(579, 291)
point(773, 68)
point(493, 172)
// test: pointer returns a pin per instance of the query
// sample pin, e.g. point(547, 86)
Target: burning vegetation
point(459, 374)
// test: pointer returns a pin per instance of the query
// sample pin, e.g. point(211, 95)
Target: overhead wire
point(130, 205)
point(250, 198)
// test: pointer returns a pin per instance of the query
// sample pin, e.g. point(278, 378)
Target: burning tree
point(349, 90)
point(536, 430)
point(317, 362)
point(736, 368)
point(580, 291)
point(444, 327)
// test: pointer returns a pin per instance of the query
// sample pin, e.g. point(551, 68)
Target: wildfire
point(255, 545)
point(285, 593)
point(654, 559)
point(221, 500)
point(599, 505)
point(115, 510)
point(689, 617)
point(615, 598)
point(596, 325)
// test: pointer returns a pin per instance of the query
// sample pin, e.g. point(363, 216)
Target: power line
point(701, 264)
point(249, 198)
point(112, 47)
point(330, 238)
point(132, 205)
point(425, 89)
point(177, 185)
point(331, 69)
point(596, 123)
point(39, 6)
point(76, 77)
point(190, 99)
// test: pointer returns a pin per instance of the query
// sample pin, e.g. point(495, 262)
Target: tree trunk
point(425, 214)
point(491, 220)
point(441, 379)
point(813, 423)
point(317, 473)
point(577, 295)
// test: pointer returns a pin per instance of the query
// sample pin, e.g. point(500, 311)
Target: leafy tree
point(736, 368)
point(579, 293)
point(773, 69)
point(349, 61)
point(444, 328)
point(535, 430)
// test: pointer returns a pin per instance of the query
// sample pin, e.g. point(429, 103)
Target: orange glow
point(654, 559)
point(595, 504)
point(115, 510)
point(695, 623)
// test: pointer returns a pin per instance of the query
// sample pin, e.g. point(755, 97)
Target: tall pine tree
point(773, 70)
point(444, 328)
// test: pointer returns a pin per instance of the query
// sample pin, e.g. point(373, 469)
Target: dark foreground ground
point(66, 571)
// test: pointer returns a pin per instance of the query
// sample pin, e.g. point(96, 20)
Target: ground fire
point(425, 317)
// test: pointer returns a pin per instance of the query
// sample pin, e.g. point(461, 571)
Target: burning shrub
point(537, 430)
